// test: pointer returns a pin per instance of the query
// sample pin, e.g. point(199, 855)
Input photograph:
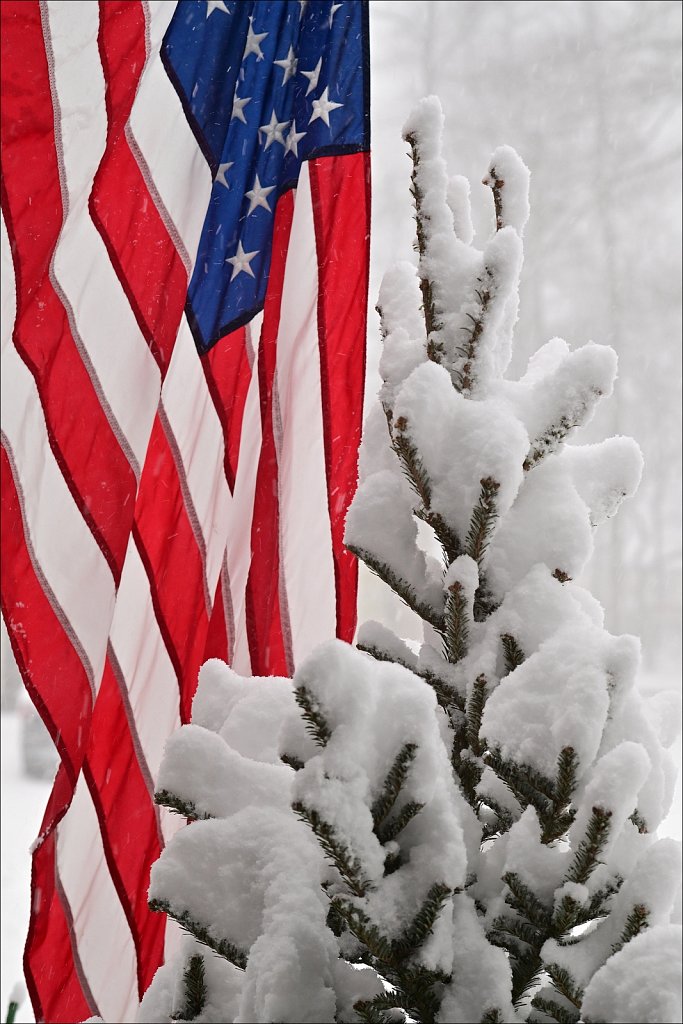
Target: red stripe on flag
point(49, 952)
point(143, 254)
point(218, 643)
point(263, 613)
point(92, 461)
point(49, 664)
point(340, 188)
point(128, 821)
point(175, 570)
point(228, 375)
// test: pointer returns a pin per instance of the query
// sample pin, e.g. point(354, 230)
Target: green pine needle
point(456, 626)
point(514, 655)
point(195, 989)
point(636, 922)
point(393, 783)
point(314, 720)
point(179, 806)
point(349, 867)
point(228, 950)
point(389, 830)
point(587, 856)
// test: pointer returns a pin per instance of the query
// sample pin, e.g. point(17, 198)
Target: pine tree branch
point(367, 933)
point(348, 866)
point(482, 522)
point(446, 695)
point(184, 807)
point(636, 922)
point(404, 590)
point(586, 858)
point(293, 761)
point(496, 185)
point(503, 814)
point(639, 821)
point(465, 379)
point(565, 984)
point(434, 348)
point(561, 1014)
point(228, 950)
point(567, 915)
point(445, 534)
point(456, 631)
point(525, 783)
point(521, 898)
point(467, 767)
point(484, 515)
point(370, 1013)
point(551, 800)
point(422, 924)
point(392, 828)
point(194, 983)
point(520, 930)
point(562, 815)
point(514, 655)
point(554, 435)
point(475, 711)
point(492, 1016)
point(314, 720)
point(414, 469)
point(413, 465)
point(397, 775)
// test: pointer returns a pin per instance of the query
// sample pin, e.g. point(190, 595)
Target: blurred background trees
point(589, 93)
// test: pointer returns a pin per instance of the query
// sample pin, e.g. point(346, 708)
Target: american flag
point(185, 241)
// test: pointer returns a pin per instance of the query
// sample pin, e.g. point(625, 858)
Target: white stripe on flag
point(126, 376)
point(238, 551)
point(306, 542)
point(174, 161)
point(49, 512)
point(100, 930)
point(198, 437)
point(144, 662)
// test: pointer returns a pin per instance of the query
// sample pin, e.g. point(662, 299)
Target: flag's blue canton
point(265, 85)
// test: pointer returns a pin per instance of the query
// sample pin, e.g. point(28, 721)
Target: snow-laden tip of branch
point(605, 474)
point(555, 403)
point(380, 528)
point(508, 177)
point(458, 197)
point(642, 982)
point(399, 300)
point(425, 123)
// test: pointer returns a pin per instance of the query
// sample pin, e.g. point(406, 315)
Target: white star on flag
point(288, 64)
point(313, 76)
point(215, 5)
point(254, 40)
point(240, 261)
point(257, 196)
point(274, 130)
point(220, 174)
point(293, 139)
point(322, 108)
point(238, 106)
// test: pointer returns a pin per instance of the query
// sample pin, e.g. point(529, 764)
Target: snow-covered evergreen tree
point(464, 832)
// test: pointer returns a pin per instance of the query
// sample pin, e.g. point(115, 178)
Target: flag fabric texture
point(185, 243)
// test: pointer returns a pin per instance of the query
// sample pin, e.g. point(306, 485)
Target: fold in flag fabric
point(185, 243)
